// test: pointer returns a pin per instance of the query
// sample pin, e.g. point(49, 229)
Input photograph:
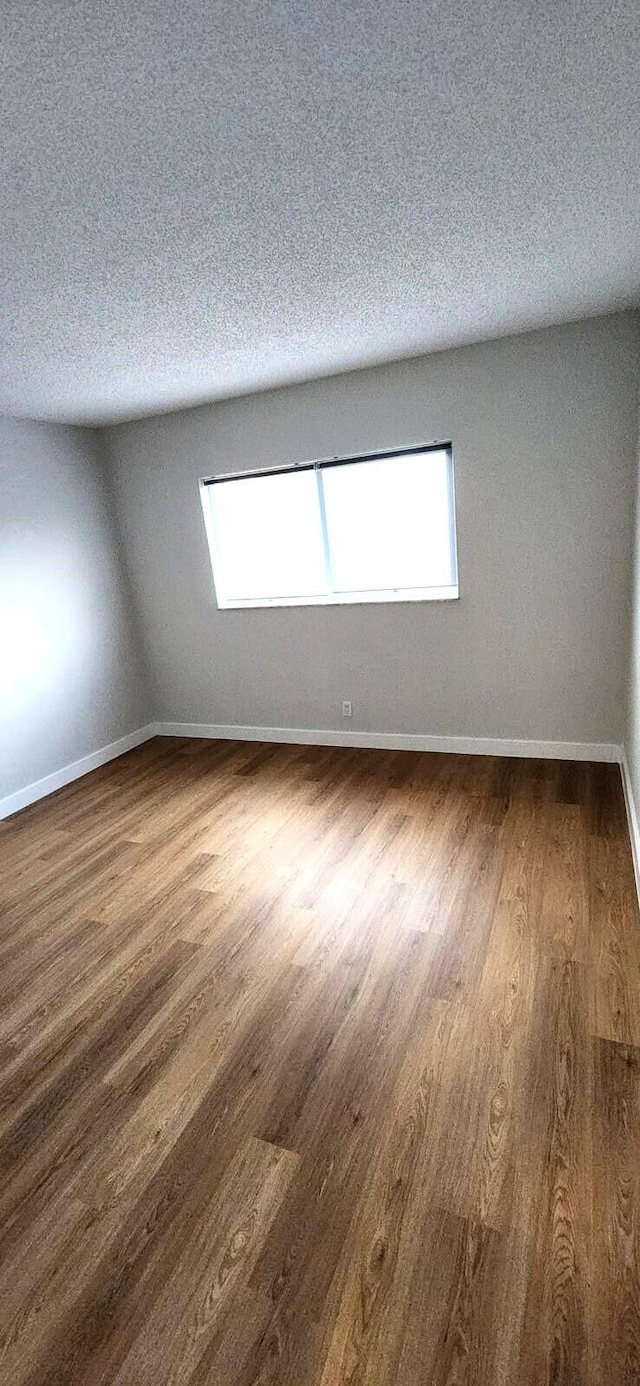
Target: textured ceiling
point(203, 198)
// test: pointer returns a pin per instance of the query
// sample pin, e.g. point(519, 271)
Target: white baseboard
point(632, 818)
point(305, 736)
point(400, 741)
point(40, 788)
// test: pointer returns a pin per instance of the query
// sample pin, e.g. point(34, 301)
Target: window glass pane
point(268, 536)
point(388, 523)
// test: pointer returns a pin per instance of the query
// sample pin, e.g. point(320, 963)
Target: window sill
point(422, 594)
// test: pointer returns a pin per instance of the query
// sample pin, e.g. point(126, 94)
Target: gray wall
point(71, 678)
point(632, 731)
point(544, 433)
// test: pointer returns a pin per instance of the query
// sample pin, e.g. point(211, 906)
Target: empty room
point(320, 693)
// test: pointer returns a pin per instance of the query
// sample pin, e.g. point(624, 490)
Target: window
point(375, 528)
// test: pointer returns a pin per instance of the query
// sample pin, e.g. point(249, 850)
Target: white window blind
point(375, 528)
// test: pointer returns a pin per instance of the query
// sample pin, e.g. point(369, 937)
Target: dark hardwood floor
point(320, 1067)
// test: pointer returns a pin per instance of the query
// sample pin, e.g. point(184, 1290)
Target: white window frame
point(332, 597)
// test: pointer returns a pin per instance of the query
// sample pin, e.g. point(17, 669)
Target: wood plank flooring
point(320, 1067)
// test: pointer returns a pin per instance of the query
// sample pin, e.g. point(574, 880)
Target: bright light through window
point(269, 537)
point(375, 528)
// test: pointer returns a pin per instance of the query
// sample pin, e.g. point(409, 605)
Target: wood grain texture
point(615, 1323)
point(320, 1067)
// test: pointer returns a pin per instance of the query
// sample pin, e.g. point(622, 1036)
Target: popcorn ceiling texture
point(203, 198)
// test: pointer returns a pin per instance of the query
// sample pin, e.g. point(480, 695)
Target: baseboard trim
point(632, 818)
point(399, 741)
point(310, 736)
point(22, 798)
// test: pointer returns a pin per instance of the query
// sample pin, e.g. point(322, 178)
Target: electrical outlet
point(346, 708)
